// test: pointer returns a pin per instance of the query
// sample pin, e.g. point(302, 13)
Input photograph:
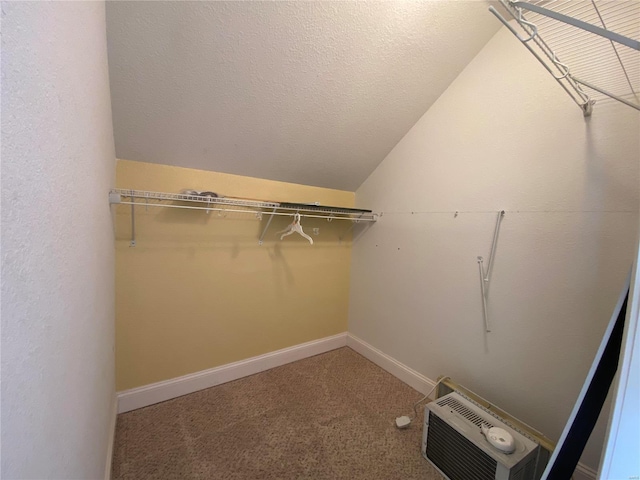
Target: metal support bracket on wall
point(115, 198)
point(133, 223)
point(486, 274)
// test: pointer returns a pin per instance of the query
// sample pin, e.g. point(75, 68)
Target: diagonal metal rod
point(353, 224)
point(266, 227)
point(496, 232)
point(484, 295)
point(608, 94)
point(616, 37)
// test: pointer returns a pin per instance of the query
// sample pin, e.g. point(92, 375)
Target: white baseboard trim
point(582, 472)
point(176, 387)
point(407, 375)
point(113, 415)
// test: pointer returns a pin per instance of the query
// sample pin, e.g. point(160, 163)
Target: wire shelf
point(203, 202)
point(185, 197)
point(589, 46)
point(224, 205)
point(611, 66)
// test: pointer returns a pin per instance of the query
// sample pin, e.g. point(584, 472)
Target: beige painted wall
point(503, 136)
point(197, 291)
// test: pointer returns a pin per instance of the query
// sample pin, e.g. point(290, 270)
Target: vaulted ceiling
point(316, 93)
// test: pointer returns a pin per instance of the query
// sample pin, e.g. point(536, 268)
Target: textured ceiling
point(308, 92)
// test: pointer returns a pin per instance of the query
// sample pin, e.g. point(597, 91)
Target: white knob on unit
point(499, 438)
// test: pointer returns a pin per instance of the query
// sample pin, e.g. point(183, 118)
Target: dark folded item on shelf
point(313, 206)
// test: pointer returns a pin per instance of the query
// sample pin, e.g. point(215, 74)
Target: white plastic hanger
point(295, 227)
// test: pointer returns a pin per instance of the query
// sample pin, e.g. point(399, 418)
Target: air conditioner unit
point(453, 441)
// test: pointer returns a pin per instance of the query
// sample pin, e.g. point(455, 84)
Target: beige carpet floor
point(326, 417)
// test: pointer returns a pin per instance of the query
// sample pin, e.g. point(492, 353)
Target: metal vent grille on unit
point(455, 405)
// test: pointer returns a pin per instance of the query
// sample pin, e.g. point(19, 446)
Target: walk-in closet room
point(320, 240)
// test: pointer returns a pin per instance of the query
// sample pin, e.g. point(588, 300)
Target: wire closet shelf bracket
point(595, 38)
point(224, 205)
